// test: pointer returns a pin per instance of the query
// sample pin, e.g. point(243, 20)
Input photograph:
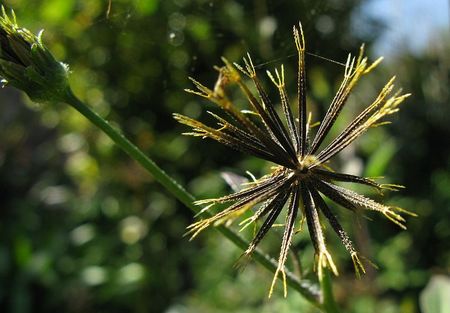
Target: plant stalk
point(328, 303)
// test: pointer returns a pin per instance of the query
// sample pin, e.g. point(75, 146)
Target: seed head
point(301, 178)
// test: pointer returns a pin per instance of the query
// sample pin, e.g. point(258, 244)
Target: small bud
point(27, 64)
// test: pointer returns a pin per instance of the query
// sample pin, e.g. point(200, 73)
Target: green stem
point(304, 287)
point(328, 303)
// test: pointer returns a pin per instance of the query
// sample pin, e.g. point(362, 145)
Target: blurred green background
point(84, 229)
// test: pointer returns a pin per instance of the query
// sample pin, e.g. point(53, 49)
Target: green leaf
point(434, 298)
point(380, 159)
point(56, 11)
point(146, 7)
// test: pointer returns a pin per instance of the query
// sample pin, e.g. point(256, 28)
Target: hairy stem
point(304, 287)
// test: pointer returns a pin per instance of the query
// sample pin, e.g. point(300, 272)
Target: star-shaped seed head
point(301, 177)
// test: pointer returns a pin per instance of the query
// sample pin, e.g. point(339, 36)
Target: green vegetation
point(84, 228)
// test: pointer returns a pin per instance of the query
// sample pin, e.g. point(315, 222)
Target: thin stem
point(306, 288)
point(328, 303)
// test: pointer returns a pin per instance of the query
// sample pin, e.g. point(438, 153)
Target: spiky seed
point(301, 172)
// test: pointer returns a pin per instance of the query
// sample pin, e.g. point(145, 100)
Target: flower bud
point(27, 64)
